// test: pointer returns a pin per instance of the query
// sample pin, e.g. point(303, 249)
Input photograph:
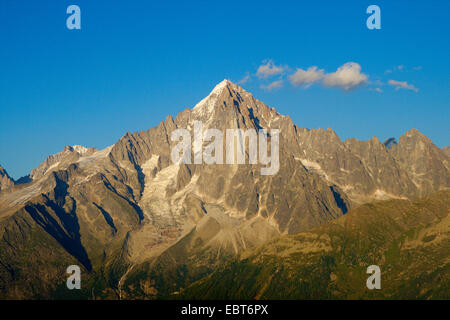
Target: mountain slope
point(408, 240)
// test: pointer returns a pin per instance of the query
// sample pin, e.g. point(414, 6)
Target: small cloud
point(306, 77)
point(417, 68)
point(244, 80)
point(269, 69)
point(402, 85)
point(347, 77)
point(400, 67)
point(376, 90)
point(272, 86)
point(376, 82)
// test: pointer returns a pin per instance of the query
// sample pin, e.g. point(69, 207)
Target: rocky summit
point(141, 226)
point(6, 182)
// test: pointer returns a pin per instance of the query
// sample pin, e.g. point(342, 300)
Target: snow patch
point(313, 166)
point(80, 149)
point(381, 194)
point(95, 156)
point(206, 105)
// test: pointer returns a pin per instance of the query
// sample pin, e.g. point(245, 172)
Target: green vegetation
point(408, 240)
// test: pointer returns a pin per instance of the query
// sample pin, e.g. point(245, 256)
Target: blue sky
point(135, 62)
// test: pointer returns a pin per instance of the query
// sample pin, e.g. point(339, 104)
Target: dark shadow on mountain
point(339, 201)
point(24, 180)
point(60, 190)
point(141, 179)
point(131, 203)
point(254, 119)
point(67, 230)
point(109, 220)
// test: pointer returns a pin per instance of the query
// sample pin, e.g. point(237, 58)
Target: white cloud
point(379, 90)
point(347, 77)
point(402, 85)
point(244, 79)
point(400, 67)
point(417, 68)
point(272, 86)
point(306, 77)
point(269, 69)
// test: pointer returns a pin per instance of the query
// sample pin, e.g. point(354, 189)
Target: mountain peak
point(6, 182)
point(416, 135)
point(225, 83)
point(76, 148)
point(207, 104)
point(413, 132)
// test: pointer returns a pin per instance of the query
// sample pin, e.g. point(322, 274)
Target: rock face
point(69, 155)
point(140, 225)
point(446, 150)
point(6, 182)
point(368, 170)
point(427, 165)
